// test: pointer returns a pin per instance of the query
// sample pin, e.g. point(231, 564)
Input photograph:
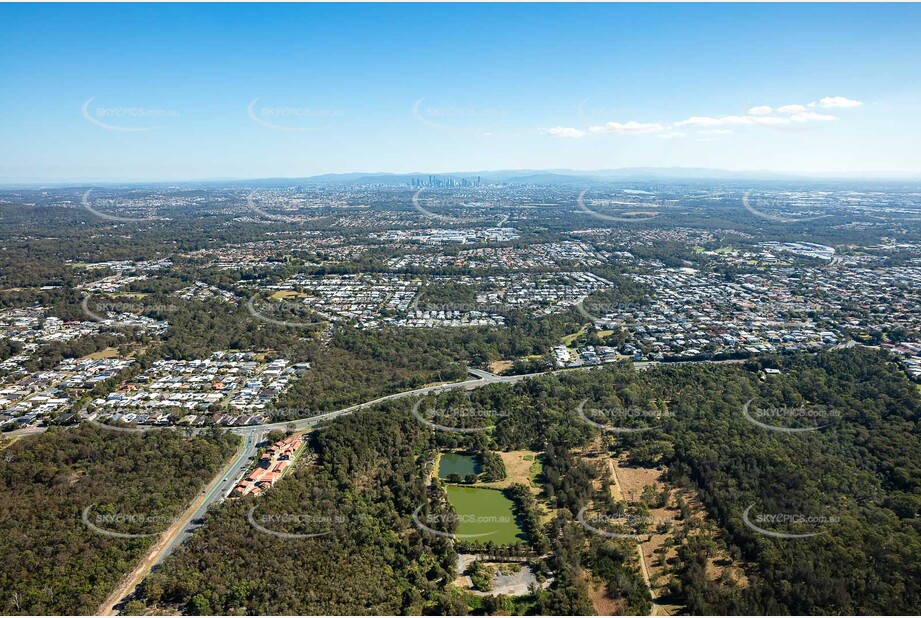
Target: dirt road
point(166, 540)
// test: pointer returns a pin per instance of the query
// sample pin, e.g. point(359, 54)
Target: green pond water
point(484, 515)
point(457, 463)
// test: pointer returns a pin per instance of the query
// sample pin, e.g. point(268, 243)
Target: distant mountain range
point(524, 176)
point(566, 177)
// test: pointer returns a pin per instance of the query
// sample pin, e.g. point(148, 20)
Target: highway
point(185, 526)
point(482, 378)
point(223, 484)
point(216, 492)
point(220, 487)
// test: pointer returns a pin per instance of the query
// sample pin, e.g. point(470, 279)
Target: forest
point(369, 558)
point(51, 562)
point(859, 471)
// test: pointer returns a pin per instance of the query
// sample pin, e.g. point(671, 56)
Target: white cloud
point(564, 132)
point(763, 115)
point(706, 121)
point(829, 102)
point(807, 116)
point(710, 121)
point(632, 127)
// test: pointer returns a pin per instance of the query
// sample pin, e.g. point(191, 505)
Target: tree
point(199, 606)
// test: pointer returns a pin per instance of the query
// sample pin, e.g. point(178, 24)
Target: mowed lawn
point(487, 512)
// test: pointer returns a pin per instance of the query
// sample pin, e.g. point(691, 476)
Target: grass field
point(568, 339)
point(500, 365)
point(285, 294)
point(107, 353)
point(487, 512)
point(520, 467)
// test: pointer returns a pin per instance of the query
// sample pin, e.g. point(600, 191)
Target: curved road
point(483, 378)
point(223, 484)
point(220, 487)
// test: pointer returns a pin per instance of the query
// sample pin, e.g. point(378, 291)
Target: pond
point(458, 463)
point(485, 515)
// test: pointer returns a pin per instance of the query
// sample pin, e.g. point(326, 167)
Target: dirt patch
point(499, 366)
point(520, 467)
point(603, 604)
point(509, 578)
point(657, 553)
point(634, 479)
point(8, 441)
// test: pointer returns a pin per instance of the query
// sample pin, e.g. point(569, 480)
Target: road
point(252, 437)
point(25, 432)
point(482, 378)
point(185, 526)
point(221, 486)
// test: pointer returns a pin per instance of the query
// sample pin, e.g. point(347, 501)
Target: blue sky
point(161, 92)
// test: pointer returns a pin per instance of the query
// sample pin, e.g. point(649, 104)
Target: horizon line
point(889, 175)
